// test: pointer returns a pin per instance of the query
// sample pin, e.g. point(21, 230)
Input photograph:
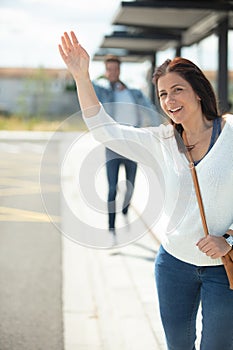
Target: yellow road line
point(11, 187)
point(19, 215)
point(24, 191)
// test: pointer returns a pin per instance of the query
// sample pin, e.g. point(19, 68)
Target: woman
point(188, 268)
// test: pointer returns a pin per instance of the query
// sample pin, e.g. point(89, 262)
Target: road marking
point(19, 215)
point(13, 187)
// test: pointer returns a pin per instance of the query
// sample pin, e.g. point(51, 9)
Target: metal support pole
point(152, 87)
point(178, 51)
point(222, 31)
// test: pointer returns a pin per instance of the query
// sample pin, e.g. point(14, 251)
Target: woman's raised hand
point(77, 61)
point(75, 56)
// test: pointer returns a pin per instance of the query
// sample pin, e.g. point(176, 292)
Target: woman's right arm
point(77, 61)
point(131, 142)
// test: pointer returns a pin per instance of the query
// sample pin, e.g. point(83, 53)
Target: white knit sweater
point(157, 148)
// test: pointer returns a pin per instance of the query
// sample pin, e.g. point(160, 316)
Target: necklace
point(188, 147)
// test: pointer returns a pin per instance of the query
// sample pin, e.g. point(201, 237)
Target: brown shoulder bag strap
point(197, 188)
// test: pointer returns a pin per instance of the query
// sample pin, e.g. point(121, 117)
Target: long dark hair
point(198, 81)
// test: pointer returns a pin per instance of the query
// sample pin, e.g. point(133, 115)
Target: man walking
point(115, 94)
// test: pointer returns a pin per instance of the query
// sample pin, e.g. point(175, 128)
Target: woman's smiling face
point(177, 98)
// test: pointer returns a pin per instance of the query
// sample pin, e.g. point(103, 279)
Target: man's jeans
point(113, 164)
point(181, 288)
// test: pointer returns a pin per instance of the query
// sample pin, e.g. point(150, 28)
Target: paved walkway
point(108, 296)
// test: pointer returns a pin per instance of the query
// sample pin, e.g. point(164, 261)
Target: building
point(39, 92)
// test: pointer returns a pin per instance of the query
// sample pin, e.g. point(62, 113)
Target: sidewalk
point(110, 300)
point(109, 295)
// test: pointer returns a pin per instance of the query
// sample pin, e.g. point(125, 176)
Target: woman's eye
point(178, 89)
point(162, 95)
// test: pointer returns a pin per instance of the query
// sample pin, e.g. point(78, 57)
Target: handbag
point(227, 259)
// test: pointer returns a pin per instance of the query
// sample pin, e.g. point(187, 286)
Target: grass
point(17, 123)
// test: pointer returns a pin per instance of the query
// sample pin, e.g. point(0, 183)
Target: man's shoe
point(125, 210)
point(112, 230)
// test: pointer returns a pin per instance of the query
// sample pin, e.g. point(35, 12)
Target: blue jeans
point(181, 288)
point(114, 160)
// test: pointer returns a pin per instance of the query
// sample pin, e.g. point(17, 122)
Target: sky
point(30, 31)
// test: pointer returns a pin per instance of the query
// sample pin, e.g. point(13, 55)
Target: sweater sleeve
point(230, 121)
point(139, 144)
